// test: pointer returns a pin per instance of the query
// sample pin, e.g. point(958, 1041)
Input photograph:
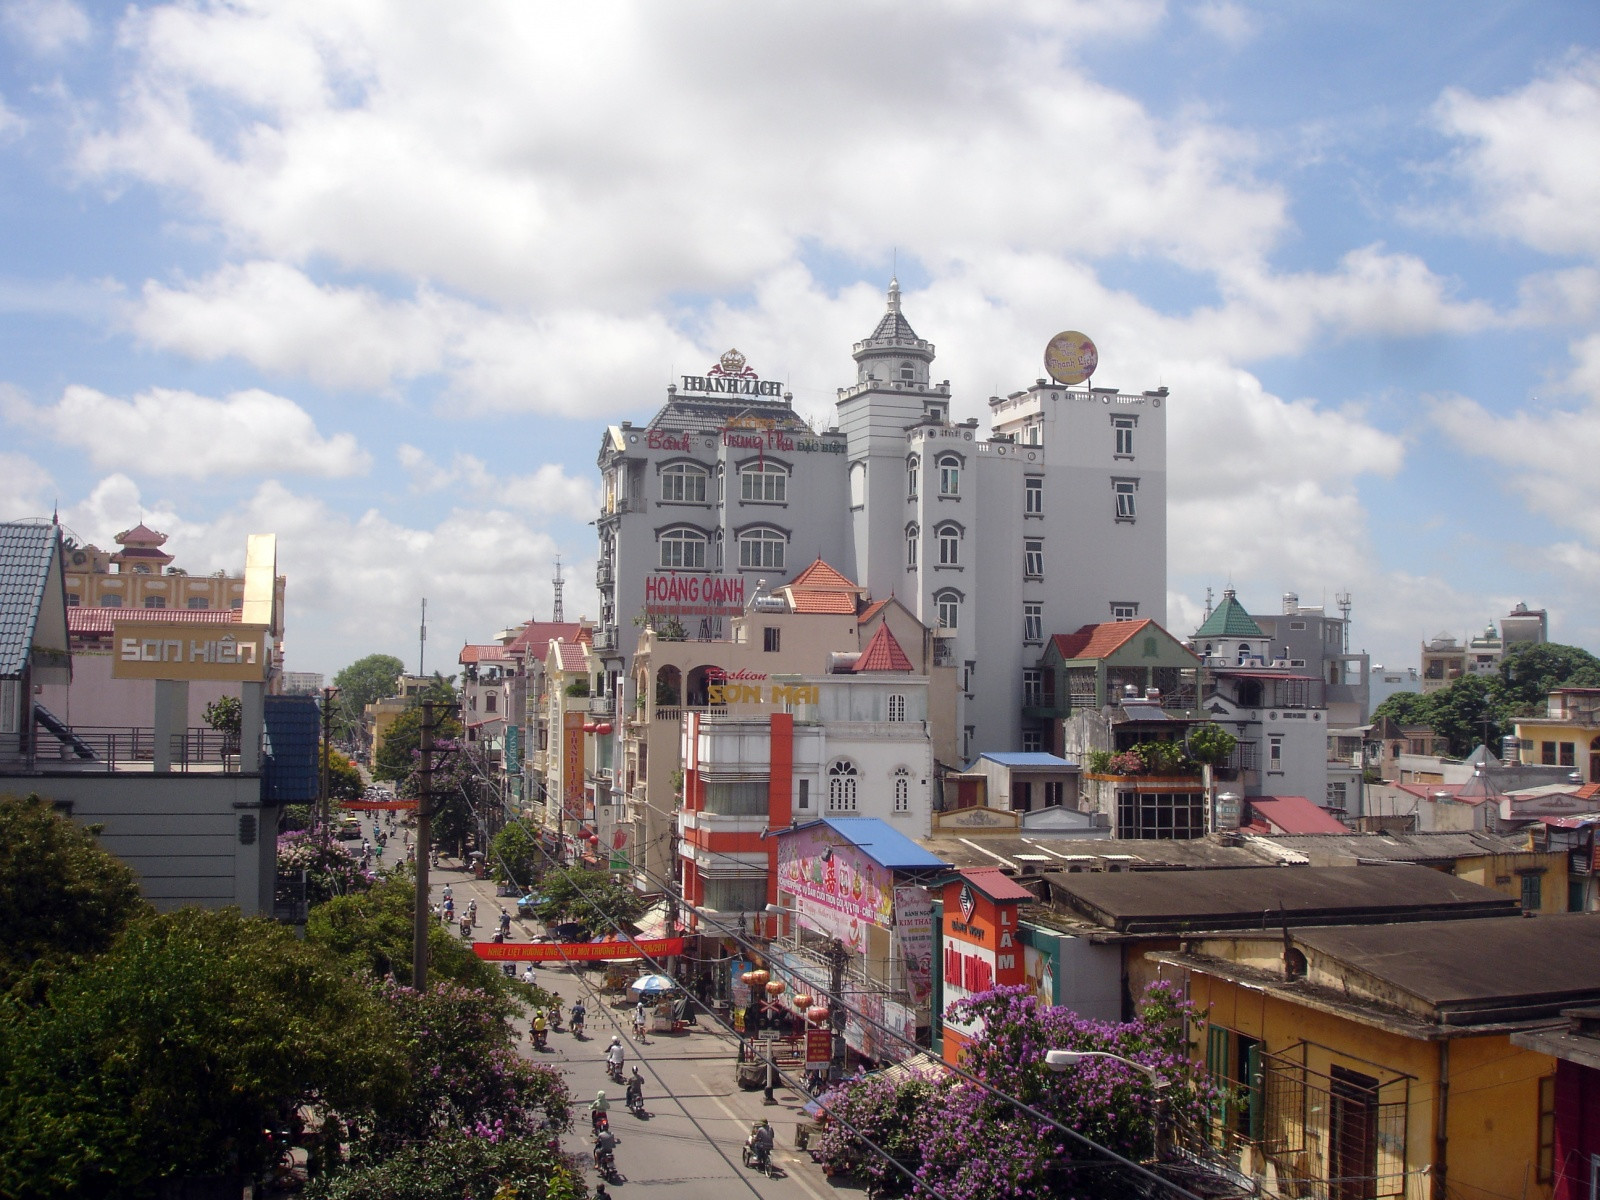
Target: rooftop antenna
point(1342, 599)
point(1208, 605)
point(422, 639)
point(557, 615)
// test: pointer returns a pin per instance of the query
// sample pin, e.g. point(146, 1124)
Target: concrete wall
point(183, 834)
point(94, 698)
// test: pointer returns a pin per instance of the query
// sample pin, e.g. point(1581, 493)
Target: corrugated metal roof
point(1026, 758)
point(27, 549)
point(996, 884)
point(1295, 814)
point(880, 842)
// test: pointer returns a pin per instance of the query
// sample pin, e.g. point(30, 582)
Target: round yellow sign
point(1070, 357)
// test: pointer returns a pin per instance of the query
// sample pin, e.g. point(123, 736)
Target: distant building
point(302, 683)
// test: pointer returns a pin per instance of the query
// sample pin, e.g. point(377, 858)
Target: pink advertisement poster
point(838, 890)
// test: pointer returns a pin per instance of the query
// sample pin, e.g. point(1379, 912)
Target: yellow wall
point(1581, 732)
point(1493, 1092)
point(1499, 871)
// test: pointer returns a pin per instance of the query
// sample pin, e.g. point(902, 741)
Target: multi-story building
point(140, 575)
point(1056, 519)
point(1567, 734)
point(1318, 643)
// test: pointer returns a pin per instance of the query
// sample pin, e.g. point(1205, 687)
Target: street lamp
point(1059, 1060)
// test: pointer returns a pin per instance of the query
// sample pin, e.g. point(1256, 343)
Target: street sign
point(819, 1049)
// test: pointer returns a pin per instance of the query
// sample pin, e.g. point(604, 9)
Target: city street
point(688, 1145)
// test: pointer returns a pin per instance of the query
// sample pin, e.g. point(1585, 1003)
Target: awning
point(653, 924)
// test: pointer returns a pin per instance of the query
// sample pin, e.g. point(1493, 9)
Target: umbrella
point(652, 983)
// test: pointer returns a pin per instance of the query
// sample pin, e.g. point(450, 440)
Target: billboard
point(572, 766)
point(190, 650)
point(838, 891)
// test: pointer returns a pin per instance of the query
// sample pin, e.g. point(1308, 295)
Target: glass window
point(949, 475)
point(771, 639)
point(199, 602)
point(155, 601)
point(1033, 621)
point(911, 547)
point(1033, 496)
point(1124, 430)
point(948, 607)
point(72, 599)
point(490, 703)
point(907, 371)
point(949, 545)
point(842, 778)
point(1569, 752)
point(762, 548)
point(804, 800)
point(1531, 892)
point(1033, 558)
point(1130, 612)
point(1275, 752)
point(1032, 686)
point(110, 601)
point(1125, 489)
point(897, 707)
point(902, 790)
point(911, 477)
point(764, 482)
point(683, 482)
point(683, 548)
point(1032, 743)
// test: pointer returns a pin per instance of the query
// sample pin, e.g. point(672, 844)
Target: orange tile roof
point(883, 653)
point(571, 656)
point(81, 619)
point(487, 652)
point(873, 609)
point(816, 600)
point(1097, 641)
point(536, 636)
point(820, 575)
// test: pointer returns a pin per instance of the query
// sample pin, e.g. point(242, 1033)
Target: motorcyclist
point(605, 1146)
point(472, 910)
point(599, 1112)
point(635, 1090)
point(527, 974)
point(555, 1014)
point(505, 920)
point(615, 1055)
point(761, 1140)
point(577, 1018)
point(540, 1029)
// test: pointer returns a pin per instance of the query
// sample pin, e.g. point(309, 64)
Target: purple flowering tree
point(329, 869)
point(969, 1144)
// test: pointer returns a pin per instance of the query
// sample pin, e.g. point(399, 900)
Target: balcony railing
point(114, 748)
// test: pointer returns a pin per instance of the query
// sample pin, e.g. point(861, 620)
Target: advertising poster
point(572, 766)
point(913, 931)
point(838, 891)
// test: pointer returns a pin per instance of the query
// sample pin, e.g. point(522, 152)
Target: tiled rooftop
point(26, 550)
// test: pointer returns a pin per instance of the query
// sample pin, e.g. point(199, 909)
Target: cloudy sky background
point(373, 275)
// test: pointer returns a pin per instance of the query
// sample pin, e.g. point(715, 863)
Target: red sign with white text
point(576, 951)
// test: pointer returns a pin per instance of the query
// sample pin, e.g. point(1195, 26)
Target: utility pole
point(836, 959)
point(423, 917)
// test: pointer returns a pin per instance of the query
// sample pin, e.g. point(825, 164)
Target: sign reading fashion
point(191, 650)
point(694, 595)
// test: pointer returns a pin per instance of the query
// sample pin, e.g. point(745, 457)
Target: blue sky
point(373, 276)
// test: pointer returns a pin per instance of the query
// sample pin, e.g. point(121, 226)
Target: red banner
point(819, 1047)
point(578, 951)
point(372, 805)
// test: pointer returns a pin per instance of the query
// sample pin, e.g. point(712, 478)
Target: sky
point(374, 276)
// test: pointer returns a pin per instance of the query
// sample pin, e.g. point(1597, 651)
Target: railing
point(674, 712)
point(117, 747)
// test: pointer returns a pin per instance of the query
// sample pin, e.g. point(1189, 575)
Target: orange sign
point(572, 766)
point(190, 650)
point(587, 951)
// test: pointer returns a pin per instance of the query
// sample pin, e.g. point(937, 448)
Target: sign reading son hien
point(190, 650)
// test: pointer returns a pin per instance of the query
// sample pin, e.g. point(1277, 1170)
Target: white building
point(1054, 520)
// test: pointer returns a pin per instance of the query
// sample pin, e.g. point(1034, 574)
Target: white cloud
point(355, 582)
point(11, 125)
point(1226, 21)
point(547, 491)
point(26, 488)
point(1532, 157)
point(45, 26)
point(164, 432)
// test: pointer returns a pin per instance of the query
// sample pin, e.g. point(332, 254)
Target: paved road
point(688, 1147)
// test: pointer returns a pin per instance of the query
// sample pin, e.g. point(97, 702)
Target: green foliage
point(371, 934)
point(60, 894)
point(1099, 761)
point(589, 896)
point(578, 687)
point(1406, 708)
point(224, 714)
point(1211, 743)
point(375, 677)
point(1147, 758)
point(167, 1055)
point(396, 757)
point(344, 779)
point(295, 818)
point(438, 690)
point(1528, 673)
point(463, 785)
point(515, 855)
point(329, 869)
point(457, 1164)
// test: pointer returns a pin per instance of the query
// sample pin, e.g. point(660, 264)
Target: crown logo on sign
point(733, 362)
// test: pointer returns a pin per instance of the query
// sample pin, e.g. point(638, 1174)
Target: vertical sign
point(572, 766)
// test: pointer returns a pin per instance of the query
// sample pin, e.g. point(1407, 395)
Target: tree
point(1529, 673)
point(60, 894)
point(168, 1054)
point(344, 780)
point(1211, 743)
point(962, 1140)
point(1469, 713)
point(329, 870)
point(589, 896)
point(1406, 708)
point(364, 681)
point(515, 855)
point(396, 757)
point(456, 1164)
point(463, 787)
point(226, 715)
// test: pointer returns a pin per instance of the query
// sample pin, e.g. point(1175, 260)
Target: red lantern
point(817, 1014)
point(748, 979)
point(757, 979)
point(801, 1001)
point(604, 727)
point(777, 988)
point(590, 727)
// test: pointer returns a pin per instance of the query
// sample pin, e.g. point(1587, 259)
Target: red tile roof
point(883, 653)
point(1294, 814)
point(572, 656)
point(996, 884)
point(815, 600)
point(821, 589)
point(101, 620)
point(1097, 641)
point(536, 636)
point(820, 575)
point(873, 609)
point(491, 652)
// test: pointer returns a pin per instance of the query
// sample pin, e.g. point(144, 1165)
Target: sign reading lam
point(186, 650)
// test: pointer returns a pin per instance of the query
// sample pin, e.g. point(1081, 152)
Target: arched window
point(949, 475)
point(683, 482)
point(897, 707)
point(949, 535)
point(764, 483)
point(858, 484)
point(902, 790)
point(842, 776)
point(911, 476)
point(762, 548)
point(947, 606)
point(683, 549)
point(907, 371)
point(911, 547)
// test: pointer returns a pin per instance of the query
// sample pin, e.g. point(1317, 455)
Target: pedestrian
point(640, 1016)
point(472, 908)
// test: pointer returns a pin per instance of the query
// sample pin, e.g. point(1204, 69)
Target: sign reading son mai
point(190, 650)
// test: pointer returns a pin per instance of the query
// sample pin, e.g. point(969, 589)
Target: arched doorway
point(669, 687)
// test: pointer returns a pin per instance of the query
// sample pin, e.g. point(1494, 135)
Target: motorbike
point(614, 1069)
point(605, 1161)
point(577, 1026)
point(636, 1101)
point(758, 1155)
point(539, 1037)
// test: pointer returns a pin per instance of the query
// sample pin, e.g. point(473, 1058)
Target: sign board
point(375, 805)
point(819, 1047)
point(572, 766)
point(1070, 357)
point(913, 929)
point(693, 595)
point(838, 890)
point(190, 650)
point(577, 951)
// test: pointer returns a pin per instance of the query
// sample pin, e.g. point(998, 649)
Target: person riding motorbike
point(635, 1095)
point(539, 1031)
point(505, 920)
point(577, 1018)
point(555, 1014)
point(760, 1142)
point(605, 1144)
point(615, 1055)
point(472, 910)
point(599, 1112)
